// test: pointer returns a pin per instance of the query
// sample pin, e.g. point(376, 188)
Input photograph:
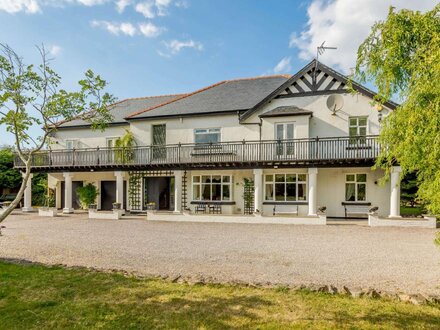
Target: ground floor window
point(211, 187)
point(285, 187)
point(355, 187)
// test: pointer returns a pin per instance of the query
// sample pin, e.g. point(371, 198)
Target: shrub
point(87, 195)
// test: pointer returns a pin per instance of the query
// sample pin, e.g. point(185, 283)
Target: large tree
point(401, 56)
point(31, 95)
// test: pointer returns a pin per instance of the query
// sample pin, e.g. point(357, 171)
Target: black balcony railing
point(297, 152)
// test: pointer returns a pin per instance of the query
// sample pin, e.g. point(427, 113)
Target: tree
point(402, 57)
point(409, 188)
point(32, 96)
point(9, 177)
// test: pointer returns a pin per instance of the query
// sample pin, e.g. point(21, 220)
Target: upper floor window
point(357, 129)
point(207, 135)
point(212, 187)
point(73, 144)
point(355, 187)
point(285, 187)
point(110, 142)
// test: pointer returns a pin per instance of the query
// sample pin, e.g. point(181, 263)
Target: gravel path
point(389, 259)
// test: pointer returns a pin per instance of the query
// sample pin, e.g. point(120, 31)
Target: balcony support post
point(27, 206)
point(313, 192)
point(395, 192)
point(177, 191)
point(67, 192)
point(119, 188)
point(258, 191)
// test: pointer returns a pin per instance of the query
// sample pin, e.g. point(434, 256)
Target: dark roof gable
point(307, 82)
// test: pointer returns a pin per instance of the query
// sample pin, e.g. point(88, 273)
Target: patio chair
point(200, 208)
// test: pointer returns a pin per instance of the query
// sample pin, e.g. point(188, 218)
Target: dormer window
point(207, 135)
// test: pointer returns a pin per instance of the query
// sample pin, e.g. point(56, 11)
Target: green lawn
point(33, 296)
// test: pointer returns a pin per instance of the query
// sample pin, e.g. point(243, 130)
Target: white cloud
point(162, 6)
point(55, 50)
point(146, 8)
point(90, 3)
point(116, 28)
point(175, 46)
point(344, 24)
point(283, 66)
point(150, 30)
point(182, 4)
point(121, 5)
point(15, 6)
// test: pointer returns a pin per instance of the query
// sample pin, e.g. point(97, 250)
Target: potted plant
point(116, 206)
point(87, 195)
point(49, 209)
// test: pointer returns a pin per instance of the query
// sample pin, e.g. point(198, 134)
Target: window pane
point(279, 177)
point(226, 178)
point(206, 178)
point(196, 192)
point(349, 178)
point(279, 132)
point(302, 177)
point(363, 121)
point(352, 131)
point(226, 192)
point(361, 177)
point(269, 178)
point(361, 191)
point(291, 192)
point(216, 192)
point(350, 192)
point(216, 179)
point(289, 131)
point(302, 194)
point(353, 121)
point(269, 192)
point(207, 135)
point(290, 177)
point(362, 131)
point(206, 192)
point(279, 192)
point(196, 178)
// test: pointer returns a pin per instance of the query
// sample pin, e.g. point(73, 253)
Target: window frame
point(358, 138)
point(76, 143)
point(111, 138)
point(356, 189)
point(195, 133)
point(297, 183)
point(198, 185)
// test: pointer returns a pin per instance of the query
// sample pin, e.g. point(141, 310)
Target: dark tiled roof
point(225, 96)
point(124, 108)
point(286, 111)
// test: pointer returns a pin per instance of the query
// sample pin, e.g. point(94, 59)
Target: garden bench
point(294, 211)
point(356, 208)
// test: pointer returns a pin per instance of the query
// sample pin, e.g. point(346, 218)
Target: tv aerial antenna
point(320, 50)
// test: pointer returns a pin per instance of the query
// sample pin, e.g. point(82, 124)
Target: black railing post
point(317, 148)
point(178, 152)
point(242, 150)
point(97, 155)
point(73, 157)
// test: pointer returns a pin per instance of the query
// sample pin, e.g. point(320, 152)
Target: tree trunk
point(19, 196)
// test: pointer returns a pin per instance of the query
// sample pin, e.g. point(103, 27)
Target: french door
point(284, 134)
point(159, 140)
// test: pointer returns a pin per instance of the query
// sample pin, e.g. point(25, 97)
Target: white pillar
point(395, 192)
point(258, 191)
point(177, 191)
point(313, 192)
point(68, 193)
point(119, 188)
point(27, 207)
point(58, 202)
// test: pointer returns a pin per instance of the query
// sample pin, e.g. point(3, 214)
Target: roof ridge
point(176, 99)
point(143, 98)
point(287, 76)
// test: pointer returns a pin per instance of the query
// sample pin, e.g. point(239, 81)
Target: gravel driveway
point(390, 259)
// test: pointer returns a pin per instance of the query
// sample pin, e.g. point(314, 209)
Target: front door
point(159, 140)
point(158, 193)
point(75, 198)
point(284, 137)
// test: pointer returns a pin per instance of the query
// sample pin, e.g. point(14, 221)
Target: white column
point(119, 188)
point(177, 191)
point(27, 207)
point(68, 193)
point(58, 195)
point(395, 192)
point(258, 191)
point(313, 192)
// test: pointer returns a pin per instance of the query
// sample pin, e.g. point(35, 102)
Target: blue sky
point(152, 47)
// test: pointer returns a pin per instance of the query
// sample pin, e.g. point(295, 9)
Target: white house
point(266, 145)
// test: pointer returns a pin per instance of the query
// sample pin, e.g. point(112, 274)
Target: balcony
point(321, 152)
